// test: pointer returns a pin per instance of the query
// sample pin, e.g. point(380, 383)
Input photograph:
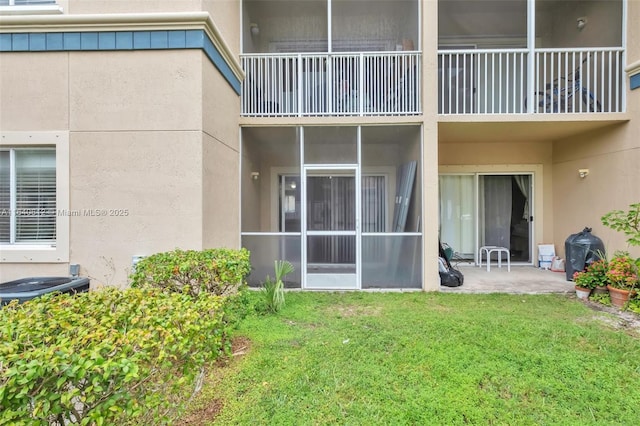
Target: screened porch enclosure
point(330, 57)
point(530, 56)
point(343, 204)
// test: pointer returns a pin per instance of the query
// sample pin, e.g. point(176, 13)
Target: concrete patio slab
point(524, 279)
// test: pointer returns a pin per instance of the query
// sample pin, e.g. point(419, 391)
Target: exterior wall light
point(583, 173)
point(255, 30)
point(582, 21)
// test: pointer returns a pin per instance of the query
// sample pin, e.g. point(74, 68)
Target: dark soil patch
point(207, 410)
point(203, 415)
point(623, 320)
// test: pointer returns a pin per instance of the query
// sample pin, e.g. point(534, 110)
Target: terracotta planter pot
point(582, 293)
point(618, 296)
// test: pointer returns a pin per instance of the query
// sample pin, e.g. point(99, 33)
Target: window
point(34, 197)
point(28, 196)
point(25, 2)
point(29, 7)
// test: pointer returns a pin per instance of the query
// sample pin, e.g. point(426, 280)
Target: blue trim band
point(120, 40)
point(635, 81)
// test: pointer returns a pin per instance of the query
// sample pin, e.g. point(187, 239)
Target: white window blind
point(31, 193)
point(5, 199)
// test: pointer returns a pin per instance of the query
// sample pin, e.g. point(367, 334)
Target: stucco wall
point(135, 90)
point(153, 141)
point(151, 181)
point(220, 160)
point(612, 156)
point(558, 26)
point(220, 194)
point(226, 16)
point(510, 157)
point(35, 93)
point(130, 6)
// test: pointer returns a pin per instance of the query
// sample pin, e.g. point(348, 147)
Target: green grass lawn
point(429, 358)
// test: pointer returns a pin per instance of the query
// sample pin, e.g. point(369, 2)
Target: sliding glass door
point(487, 209)
point(457, 213)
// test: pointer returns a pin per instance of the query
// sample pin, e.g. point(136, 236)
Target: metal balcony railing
point(496, 81)
point(487, 81)
point(331, 84)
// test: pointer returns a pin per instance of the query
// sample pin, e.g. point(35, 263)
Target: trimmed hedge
point(218, 271)
point(105, 357)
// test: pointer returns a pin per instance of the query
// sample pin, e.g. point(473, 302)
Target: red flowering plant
point(593, 276)
point(622, 272)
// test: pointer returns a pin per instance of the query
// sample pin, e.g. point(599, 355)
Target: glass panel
point(267, 155)
point(5, 216)
point(366, 26)
point(265, 250)
point(330, 254)
point(26, 2)
point(392, 261)
point(392, 152)
point(35, 195)
point(289, 206)
point(520, 218)
point(557, 23)
point(331, 207)
point(331, 203)
point(374, 202)
point(495, 209)
point(483, 23)
point(457, 227)
point(284, 26)
point(330, 145)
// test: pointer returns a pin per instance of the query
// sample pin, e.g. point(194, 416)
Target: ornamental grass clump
point(273, 290)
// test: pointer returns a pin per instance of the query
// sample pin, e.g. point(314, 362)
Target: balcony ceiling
point(454, 130)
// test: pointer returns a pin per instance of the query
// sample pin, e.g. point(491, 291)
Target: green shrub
point(603, 299)
point(627, 222)
point(237, 306)
point(105, 357)
point(217, 271)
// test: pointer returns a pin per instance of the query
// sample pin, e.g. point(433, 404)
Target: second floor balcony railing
point(496, 81)
point(331, 84)
point(475, 81)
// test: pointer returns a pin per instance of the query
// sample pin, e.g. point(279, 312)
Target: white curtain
point(457, 212)
point(525, 188)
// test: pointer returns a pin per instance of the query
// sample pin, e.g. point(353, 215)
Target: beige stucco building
point(345, 136)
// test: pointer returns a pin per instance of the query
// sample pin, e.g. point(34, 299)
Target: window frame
point(49, 252)
point(30, 8)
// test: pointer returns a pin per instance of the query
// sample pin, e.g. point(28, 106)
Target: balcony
point(336, 58)
point(349, 58)
point(331, 84)
point(496, 81)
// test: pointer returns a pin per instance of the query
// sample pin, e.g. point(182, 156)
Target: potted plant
point(584, 283)
point(598, 271)
point(622, 276)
